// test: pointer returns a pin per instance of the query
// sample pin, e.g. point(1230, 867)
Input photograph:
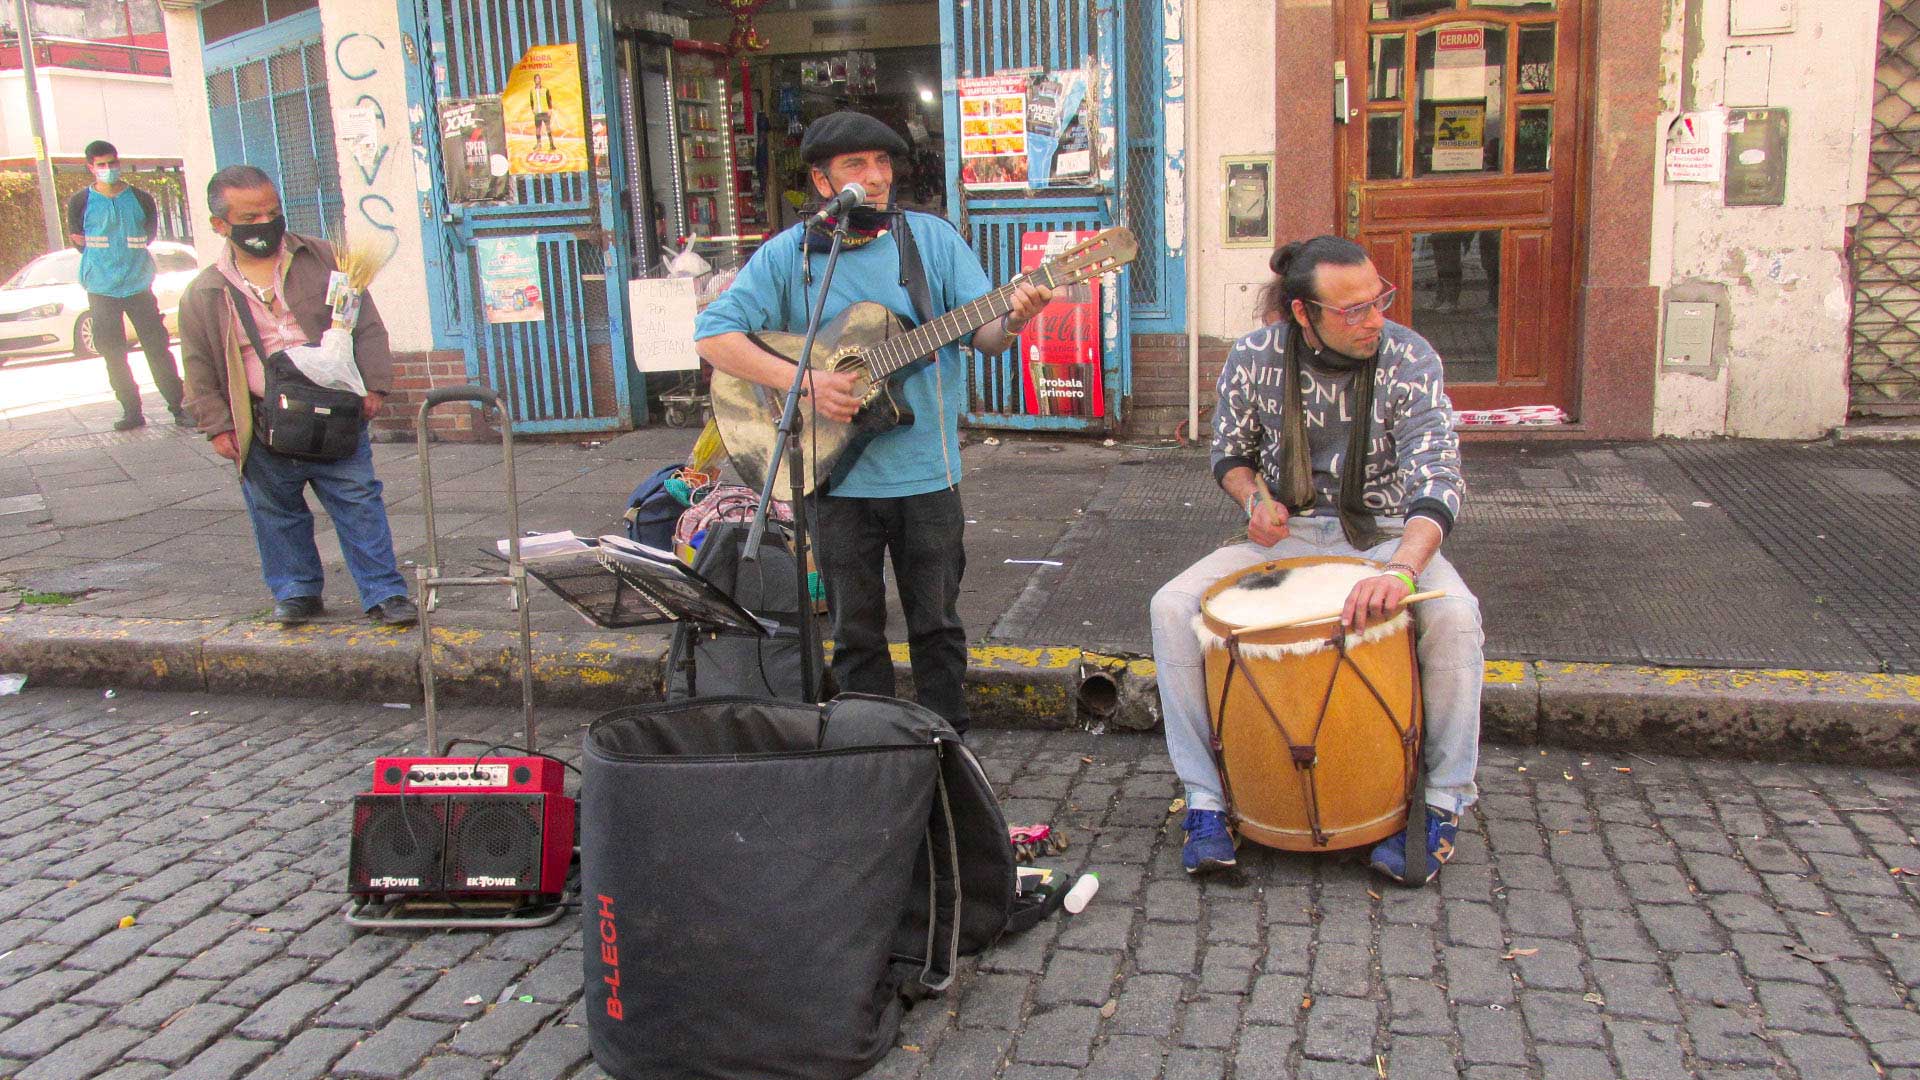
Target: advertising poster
point(1459, 138)
point(473, 147)
point(1060, 348)
point(545, 115)
point(510, 279)
point(993, 131)
point(1059, 144)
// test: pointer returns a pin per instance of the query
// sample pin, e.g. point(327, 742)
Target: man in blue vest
point(112, 223)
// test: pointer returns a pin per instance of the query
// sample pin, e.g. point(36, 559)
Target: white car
point(43, 309)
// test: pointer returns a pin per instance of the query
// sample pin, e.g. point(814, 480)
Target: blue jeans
point(275, 490)
point(1447, 638)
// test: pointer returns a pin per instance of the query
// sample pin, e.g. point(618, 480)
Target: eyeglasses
point(1356, 314)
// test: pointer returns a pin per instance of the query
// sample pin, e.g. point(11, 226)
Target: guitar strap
point(913, 272)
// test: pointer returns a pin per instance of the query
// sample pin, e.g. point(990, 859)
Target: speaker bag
point(745, 866)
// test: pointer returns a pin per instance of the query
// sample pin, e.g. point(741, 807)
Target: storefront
point(539, 167)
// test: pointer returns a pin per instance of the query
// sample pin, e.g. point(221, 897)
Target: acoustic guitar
point(879, 347)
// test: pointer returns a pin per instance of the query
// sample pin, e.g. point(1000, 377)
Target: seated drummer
point(1287, 395)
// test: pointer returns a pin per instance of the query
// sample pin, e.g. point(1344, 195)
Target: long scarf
point(1296, 457)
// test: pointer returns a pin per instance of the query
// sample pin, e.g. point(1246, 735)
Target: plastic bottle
point(1082, 893)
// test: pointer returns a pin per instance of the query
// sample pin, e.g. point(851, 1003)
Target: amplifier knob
point(392, 774)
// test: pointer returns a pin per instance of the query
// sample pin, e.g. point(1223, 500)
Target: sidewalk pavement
point(1726, 597)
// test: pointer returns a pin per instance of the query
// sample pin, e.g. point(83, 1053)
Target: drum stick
point(1315, 620)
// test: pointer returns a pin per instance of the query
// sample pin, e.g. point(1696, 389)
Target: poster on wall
point(545, 117)
point(993, 131)
point(1059, 142)
point(1060, 348)
point(510, 279)
point(473, 149)
point(1459, 138)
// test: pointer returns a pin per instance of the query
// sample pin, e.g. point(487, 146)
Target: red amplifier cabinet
point(449, 775)
point(467, 844)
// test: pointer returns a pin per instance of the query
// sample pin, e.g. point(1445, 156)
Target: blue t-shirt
point(115, 261)
point(770, 294)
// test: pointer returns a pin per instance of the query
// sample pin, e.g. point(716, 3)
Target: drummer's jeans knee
point(1180, 666)
point(1452, 666)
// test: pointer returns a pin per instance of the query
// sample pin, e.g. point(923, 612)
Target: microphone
point(850, 196)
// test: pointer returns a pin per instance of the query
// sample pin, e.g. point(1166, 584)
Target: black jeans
point(110, 338)
point(924, 534)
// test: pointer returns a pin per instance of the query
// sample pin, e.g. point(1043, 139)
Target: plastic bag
point(330, 364)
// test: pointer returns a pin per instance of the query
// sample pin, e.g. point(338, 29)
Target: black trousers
point(924, 536)
point(110, 338)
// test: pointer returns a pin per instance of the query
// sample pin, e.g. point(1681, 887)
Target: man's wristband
point(1251, 495)
point(1403, 576)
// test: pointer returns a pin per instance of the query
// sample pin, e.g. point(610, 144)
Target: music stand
point(674, 589)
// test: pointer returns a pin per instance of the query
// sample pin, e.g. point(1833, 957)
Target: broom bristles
point(361, 258)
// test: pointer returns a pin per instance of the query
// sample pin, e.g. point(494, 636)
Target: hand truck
point(415, 910)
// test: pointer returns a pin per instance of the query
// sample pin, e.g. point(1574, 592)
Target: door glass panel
point(1408, 9)
point(1536, 60)
point(1456, 300)
point(1533, 139)
point(1383, 146)
point(1462, 88)
point(1388, 77)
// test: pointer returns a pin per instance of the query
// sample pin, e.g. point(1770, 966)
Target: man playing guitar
point(900, 497)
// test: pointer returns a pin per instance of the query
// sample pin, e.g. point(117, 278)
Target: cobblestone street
point(1607, 916)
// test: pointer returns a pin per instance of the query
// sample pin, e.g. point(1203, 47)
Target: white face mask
point(107, 174)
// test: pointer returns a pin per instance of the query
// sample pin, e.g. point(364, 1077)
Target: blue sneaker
point(1209, 845)
point(1390, 855)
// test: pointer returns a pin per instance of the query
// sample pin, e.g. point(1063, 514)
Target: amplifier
point(466, 844)
point(443, 775)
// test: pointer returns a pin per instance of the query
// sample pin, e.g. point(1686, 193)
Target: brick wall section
point(1159, 405)
point(415, 373)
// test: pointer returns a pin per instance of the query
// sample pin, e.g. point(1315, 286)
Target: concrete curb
point(1866, 719)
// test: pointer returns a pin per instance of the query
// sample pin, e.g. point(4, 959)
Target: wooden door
point(1457, 171)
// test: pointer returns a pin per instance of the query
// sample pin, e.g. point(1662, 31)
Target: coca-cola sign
point(1060, 348)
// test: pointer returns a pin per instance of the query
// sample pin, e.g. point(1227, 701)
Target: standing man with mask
point(901, 497)
point(282, 279)
point(112, 222)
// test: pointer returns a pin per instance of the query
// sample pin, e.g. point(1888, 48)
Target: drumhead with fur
point(1300, 592)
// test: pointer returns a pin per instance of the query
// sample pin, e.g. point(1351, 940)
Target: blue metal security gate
point(570, 371)
point(1121, 44)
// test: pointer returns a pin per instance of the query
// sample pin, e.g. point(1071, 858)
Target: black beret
point(848, 133)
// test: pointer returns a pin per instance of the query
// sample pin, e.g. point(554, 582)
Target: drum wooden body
point(1316, 733)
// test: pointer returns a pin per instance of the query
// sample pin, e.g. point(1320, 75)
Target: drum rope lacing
point(1305, 755)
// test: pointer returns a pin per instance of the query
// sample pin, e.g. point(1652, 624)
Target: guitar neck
point(923, 340)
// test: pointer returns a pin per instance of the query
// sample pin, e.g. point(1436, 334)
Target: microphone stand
point(812, 660)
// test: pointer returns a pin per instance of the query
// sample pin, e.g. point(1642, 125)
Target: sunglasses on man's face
point(1356, 314)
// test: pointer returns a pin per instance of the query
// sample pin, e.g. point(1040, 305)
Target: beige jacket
point(210, 337)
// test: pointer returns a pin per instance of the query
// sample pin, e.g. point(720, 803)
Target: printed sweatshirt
point(1413, 458)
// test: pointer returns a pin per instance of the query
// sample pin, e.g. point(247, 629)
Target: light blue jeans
point(275, 490)
point(1448, 640)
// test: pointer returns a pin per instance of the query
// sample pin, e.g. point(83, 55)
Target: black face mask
point(261, 238)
